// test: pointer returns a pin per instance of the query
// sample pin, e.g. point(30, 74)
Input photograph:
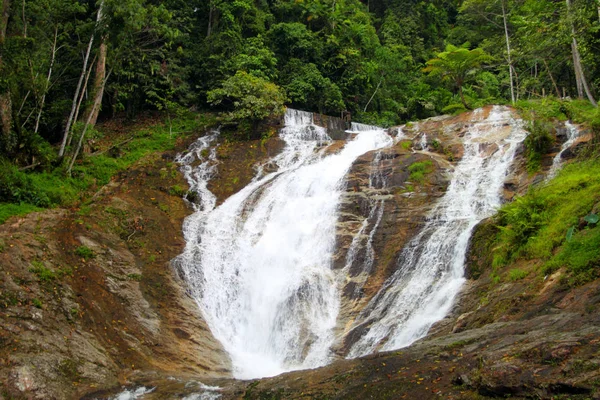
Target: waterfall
point(430, 269)
point(572, 135)
point(259, 265)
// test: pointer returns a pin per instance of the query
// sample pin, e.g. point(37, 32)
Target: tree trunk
point(85, 128)
point(552, 79)
point(43, 101)
point(210, 18)
point(5, 100)
point(582, 84)
point(510, 67)
point(70, 121)
point(81, 96)
point(374, 93)
point(98, 89)
point(462, 97)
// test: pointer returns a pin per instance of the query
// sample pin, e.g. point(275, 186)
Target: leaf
point(570, 233)
point(591, 219)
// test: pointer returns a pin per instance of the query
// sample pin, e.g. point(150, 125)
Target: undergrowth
point(24, 192)
point(549, 224)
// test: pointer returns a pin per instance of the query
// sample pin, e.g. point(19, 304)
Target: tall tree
point(457, 65)
point(582, 84)
point(5, 100)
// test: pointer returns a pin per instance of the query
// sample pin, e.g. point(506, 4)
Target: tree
point(5, 100)
point(582, 84)
point(458, 65)
point(249, 98)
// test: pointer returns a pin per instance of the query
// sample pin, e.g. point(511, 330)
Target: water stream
point(260, 264)
point(430, 269)
point(572, 136)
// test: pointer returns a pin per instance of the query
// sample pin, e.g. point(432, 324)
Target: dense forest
point(66, 64)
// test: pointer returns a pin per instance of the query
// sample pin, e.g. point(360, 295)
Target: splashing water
point(260, 264)
point(430, 268)
point(572, 135)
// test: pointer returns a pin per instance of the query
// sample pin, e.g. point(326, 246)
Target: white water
point(423, 142)
point(431, 267)
point(260, 264)
point(572, 135)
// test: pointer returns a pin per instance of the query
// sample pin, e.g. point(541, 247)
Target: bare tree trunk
point(552, 79)
point(71, 120)
point(81, 96)
point(374, 93)
point(210, 18)
point(510, 67)
point(95, 105)
point(582, 84)
point(98, 89)
point(5, 100)
point(43, 101)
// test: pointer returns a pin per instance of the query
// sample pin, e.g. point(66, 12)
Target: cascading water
point(430, 268)
point(572, 135)
point(260, 264)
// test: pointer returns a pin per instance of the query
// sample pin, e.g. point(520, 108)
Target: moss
point(43, 273)
point(85, 252)
point(419, 170)
point(516, 274)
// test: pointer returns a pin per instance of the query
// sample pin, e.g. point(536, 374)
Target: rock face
point(88, 299)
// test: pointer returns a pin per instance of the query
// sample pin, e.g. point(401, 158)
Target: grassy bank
point(23, 192)
point(555, 224)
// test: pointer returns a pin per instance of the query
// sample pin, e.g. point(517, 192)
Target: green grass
point(579, 111)
point(8, 210)
point(419, 170)
point(516, 274)
point(43, 273)
point(535, 226)
point(85, 252)
point(22, 192)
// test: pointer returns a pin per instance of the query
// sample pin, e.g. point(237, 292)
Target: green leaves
point(591, 219)
point(249, 98)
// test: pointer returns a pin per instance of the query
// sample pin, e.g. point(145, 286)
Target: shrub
point(419, 170)
point(85, 252)
point(516, 274)
point(537, 143)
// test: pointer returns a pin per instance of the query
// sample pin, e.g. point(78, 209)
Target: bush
point(516, 274)
point(538, 143)
point(85, 252)
point(419, 170)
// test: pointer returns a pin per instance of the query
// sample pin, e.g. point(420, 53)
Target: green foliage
point(537, 143)
point(85, 252)
point(250, 98)
point(43, 273)
point(541, 225)
point(457, 65)
point(516, 274)
point(419, 170)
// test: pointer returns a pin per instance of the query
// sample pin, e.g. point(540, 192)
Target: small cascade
point(198, 176)
point(572, 135)
point(363, 240)
point(259, 265)
point(358, 127)
point(430, 268)
point(423, 142)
